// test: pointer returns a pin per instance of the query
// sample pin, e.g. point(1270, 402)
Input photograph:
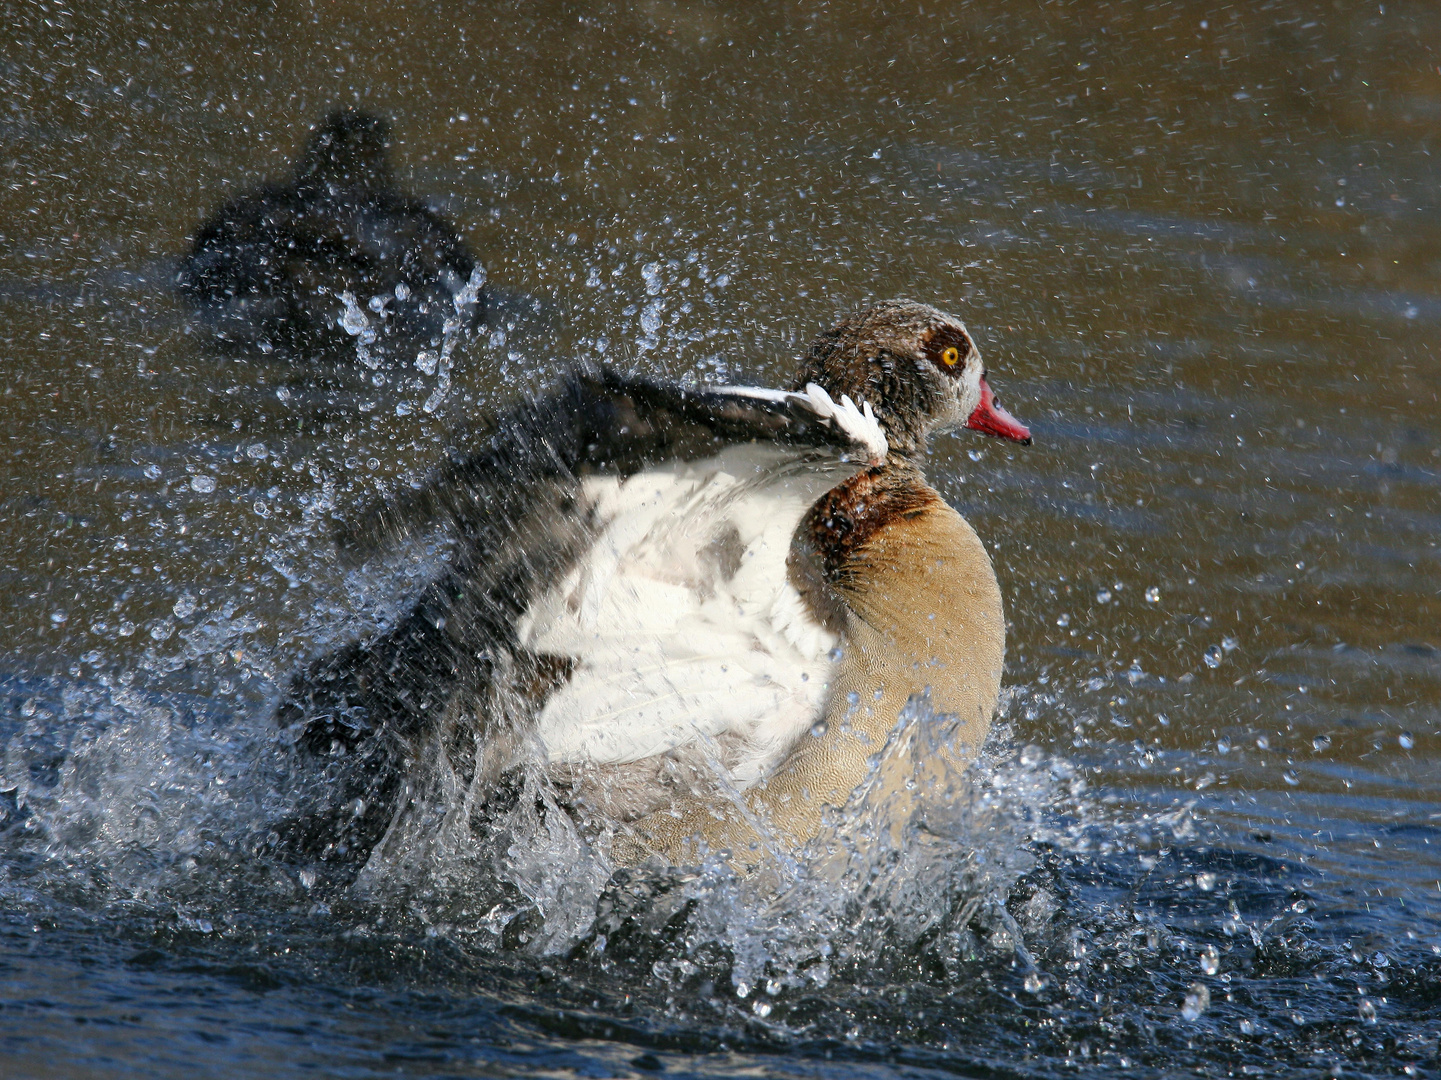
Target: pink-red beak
point(990, 419)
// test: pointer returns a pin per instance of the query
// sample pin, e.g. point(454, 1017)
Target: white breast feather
point(680, 617)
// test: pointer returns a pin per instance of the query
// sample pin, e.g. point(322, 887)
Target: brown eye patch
point(948, 349)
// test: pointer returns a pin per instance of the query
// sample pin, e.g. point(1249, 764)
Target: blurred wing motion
point(606, 423)
point(623, 584)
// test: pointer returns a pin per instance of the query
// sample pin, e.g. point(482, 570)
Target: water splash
point(456, 325)
point(149, 797)
point(922, 847)
point(356, 323)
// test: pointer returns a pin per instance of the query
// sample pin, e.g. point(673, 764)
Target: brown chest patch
point(846, 518)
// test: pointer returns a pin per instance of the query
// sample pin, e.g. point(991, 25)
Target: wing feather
point(630, 533)
point(672, 645)
point(605, 423)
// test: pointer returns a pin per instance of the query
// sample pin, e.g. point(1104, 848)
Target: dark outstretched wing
point(599, 422)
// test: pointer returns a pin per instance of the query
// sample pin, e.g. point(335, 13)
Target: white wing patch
point(680, 619)
point(859, 422)
point(762, 393)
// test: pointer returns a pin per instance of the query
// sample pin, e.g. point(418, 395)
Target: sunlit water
point(1199, 250)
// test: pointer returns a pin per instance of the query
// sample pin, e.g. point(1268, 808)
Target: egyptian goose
point(339, 252)
point(658, 595)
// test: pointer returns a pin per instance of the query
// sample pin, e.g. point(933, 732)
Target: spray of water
point(152, 800)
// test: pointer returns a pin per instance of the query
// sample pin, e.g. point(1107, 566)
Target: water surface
point(1199, 248)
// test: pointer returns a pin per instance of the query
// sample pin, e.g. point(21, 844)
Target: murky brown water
point(1200, 247)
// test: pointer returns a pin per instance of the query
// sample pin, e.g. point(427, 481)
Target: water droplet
point(1206, 881)
point(1367, 1009)
point(1230, 644)
point(1035, 982)
point(184, 607)
point(1213, 656)
point(1064, 620)
point(819, 728)
point(761, 1008)
point(1104, 596)
point(1210, 960)
point(257, 452)
point(58, 618)
point(742, 990)
point(1263, 742)
point(1380, 960)
point(126, 628)
point(1198, 1000)
point(836, 655)
point(203, 484)
point(1163, 720)
point(1290, 777)
point(152, 471)
point(1321, 742)
point(377, 303)
point(1247, 1027)
point(28, 708)
point(402, 292)
point(1153, 594)
point(352, 320)
point(1223, 745)
point(1406, 739)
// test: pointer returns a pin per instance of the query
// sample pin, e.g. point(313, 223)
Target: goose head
point(917, 367)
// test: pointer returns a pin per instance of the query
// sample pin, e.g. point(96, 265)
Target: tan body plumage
point(922, 612)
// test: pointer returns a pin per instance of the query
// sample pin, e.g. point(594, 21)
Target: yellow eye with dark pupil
point(951, 357)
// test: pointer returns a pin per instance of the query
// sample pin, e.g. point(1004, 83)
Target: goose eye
point(951, 356)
